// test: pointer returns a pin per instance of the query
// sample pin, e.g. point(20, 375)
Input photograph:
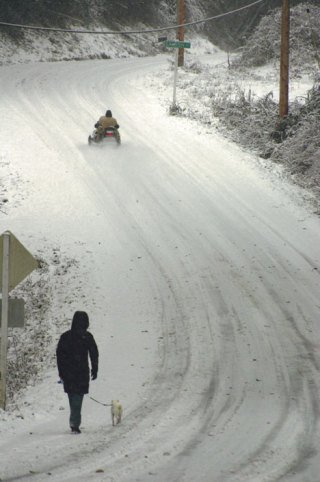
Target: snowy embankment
point(199, 269)
point(242, 103)
point(37, 46)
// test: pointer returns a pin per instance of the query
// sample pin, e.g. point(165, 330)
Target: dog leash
point(100, 403)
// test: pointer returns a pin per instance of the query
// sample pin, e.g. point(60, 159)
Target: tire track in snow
point(205, 408)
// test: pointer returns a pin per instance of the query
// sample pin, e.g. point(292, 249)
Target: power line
point(128, 32)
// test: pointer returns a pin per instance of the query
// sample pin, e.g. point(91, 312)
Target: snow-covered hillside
point(197, 263)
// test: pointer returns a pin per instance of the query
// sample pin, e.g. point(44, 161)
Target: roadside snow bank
point(242, 104)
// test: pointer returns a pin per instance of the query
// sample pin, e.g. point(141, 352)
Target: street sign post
point(4, 316)
point(16, 264)
point(176, 44)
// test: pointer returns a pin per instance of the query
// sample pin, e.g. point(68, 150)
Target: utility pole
point(284, 60)
point(181, 14)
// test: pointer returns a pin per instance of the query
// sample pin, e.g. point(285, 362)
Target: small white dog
point(116, 412)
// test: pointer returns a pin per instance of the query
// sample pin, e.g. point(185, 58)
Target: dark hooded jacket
point(73, 351)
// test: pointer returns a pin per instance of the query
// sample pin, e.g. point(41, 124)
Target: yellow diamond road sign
point(21, 262)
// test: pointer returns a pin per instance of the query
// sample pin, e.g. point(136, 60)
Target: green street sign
point(177, 44)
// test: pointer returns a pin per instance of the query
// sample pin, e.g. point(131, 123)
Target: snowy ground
point(199, 269)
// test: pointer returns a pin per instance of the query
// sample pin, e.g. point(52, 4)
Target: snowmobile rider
point(104, 122)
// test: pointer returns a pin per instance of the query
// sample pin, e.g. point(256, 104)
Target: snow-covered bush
point(249, 122)
point(293, 141)
point(300, 151)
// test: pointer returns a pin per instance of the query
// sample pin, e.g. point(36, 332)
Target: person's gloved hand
point(93, 375)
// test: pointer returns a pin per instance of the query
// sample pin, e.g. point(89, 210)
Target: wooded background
point(227, 32)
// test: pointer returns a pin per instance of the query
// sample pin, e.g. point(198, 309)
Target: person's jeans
point(75, 402)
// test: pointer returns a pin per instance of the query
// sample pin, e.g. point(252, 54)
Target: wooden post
point(284, 60)
point(180, 33)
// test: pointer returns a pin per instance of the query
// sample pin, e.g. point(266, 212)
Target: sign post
point(15, 265)
point(176, 44)
point(175, 76)
point(4, 318)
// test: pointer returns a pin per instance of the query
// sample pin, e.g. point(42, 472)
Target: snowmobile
point(110, 133)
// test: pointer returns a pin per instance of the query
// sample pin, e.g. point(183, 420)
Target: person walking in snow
point(74, 349)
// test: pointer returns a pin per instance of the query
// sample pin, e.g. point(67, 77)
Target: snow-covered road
point(201, 274)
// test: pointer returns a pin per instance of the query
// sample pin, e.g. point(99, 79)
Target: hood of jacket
point(80, 321)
